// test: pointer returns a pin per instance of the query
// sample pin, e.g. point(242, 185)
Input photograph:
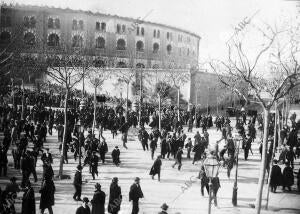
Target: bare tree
point(126, 76)
point(241, 73)
point(177, 78)
point(97, 77)
point(64, 70)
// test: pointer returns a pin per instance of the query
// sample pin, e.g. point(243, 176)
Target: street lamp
point(81, 129)
point(211, 166)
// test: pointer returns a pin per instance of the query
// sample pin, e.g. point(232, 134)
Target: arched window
point(155, 47)
point(121, 64)
point(158, 33)
point(99, 63)
point(97, 25)
point(142, 31)
point(118, 28)
point(121, 45)
point(123, 28)
point(169, 49)
point(53, 40)
point(140, 65)
point(74, 24)
point(57, 23)
point(140, 46)
point(29, 38)
point(77, 41)
point(50, 23)
point(138, 31)
point(188, 52)
point(5, 37)
point(103, 26)
point(154, 33)
point(100, 42)
point(32, 22)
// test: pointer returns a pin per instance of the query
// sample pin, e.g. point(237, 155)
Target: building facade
point(112, 41)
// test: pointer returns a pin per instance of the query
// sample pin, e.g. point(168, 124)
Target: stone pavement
point(179, 189)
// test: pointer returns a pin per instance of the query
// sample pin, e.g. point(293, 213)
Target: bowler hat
point(164, 206)
point(85, 199)
point(79, 167)
point(137, 179)
point(97, 186)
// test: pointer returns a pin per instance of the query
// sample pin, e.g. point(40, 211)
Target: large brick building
point(111, 40)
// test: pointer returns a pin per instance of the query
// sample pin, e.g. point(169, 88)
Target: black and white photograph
point(149, 107)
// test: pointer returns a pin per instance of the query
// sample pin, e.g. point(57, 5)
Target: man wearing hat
point(94, 164)
point(178, 158)
point(115, 197)
point(77, 184)
point(84, 208)
point(135, 194)
point(164, 209)
point(116, 156)
point(47, 156)
point(98, 201)
point(12, 187)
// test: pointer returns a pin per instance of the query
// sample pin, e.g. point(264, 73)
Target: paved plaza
point(179, 189)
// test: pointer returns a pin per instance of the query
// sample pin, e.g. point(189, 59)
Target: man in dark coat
point(178, 158)
point(47, 196)
point(153, 144)
point(164, 147)
point(204, 180)
point(116, 156)
point(276, 177)
point(77, 184)
point(155, 169)
point(189, 146)
point(84, 208)
point(115, 197)
point(98, 201)
point(135, 194)
point(247, 146)
point(28, 200)
point(94, 164)
point(288, 177)
point(3, 161)
point(103, 149)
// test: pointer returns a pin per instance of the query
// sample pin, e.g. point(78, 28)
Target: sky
point(213, 20)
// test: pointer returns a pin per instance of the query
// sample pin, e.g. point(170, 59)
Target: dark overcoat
point(28, 202)
point(98, 202)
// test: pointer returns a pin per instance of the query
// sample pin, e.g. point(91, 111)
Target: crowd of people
point(39, 120)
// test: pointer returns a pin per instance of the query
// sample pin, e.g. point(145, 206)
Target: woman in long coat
point(155, 169)
point(115, 197)
point(288, 177)
point(98, 200)
point(47, 196)
point(276, 177)
point(28, 200)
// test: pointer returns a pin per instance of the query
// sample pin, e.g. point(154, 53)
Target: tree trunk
point(127, 89)
point(263, 161)
point(178, 104)
point(273, 154)
point(61, 164)
point(159, 112)
point(94, 120)
point(23, 101)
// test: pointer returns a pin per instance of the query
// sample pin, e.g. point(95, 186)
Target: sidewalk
point(136, 162)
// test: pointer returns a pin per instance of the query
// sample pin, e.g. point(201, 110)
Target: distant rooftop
point(35, 7)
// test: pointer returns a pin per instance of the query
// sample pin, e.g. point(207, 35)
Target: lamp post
point(211, 166)
point(235, 188)
point(81, 129)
